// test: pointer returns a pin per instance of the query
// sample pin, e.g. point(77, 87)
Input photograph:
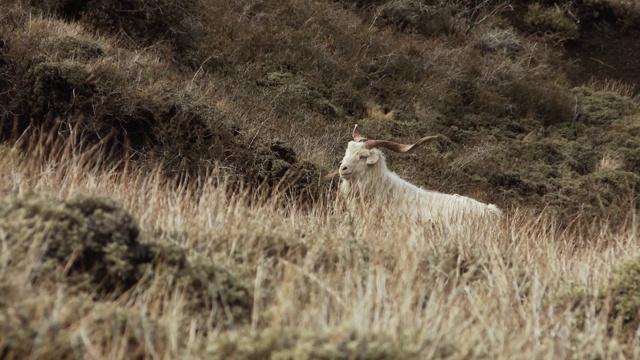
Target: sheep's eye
point(363, 157)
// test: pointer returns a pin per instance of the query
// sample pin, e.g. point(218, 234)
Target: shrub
point(92, 245)
point(90, 242)
point(53, 87)
point(337, 344)
point(144, 23)
point(39, 327)
point(427, 20)
point(36, 327)
point(624, 294)
point(552, 20)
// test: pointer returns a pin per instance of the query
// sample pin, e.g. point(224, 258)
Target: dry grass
point(323, 283)
point(231, 274)
point(609, 162)
point(616, 86)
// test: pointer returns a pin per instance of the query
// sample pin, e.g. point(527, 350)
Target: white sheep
point(366, 179)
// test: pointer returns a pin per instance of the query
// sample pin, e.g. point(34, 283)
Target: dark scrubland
point(167, 178)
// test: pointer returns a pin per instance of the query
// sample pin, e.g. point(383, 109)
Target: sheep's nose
point(345, 171)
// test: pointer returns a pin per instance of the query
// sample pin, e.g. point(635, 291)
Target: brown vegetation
point(165, 190)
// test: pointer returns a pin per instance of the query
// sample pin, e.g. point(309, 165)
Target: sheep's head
point(357, 159)
point(362, 153)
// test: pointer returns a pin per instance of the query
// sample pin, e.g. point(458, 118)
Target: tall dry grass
point(325, 284)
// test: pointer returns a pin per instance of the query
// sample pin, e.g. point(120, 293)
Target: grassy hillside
point(167, 177)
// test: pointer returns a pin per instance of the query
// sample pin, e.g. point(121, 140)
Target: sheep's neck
point(378, 182)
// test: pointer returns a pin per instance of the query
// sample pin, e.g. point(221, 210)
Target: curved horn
point(397, 147)
point(356, 134)
point(393, 146)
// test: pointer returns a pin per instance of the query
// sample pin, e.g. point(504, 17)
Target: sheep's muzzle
point(345, 171)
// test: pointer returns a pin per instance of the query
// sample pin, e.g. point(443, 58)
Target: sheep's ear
point(372, 158)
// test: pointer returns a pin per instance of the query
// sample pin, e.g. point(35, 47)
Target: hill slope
point(216, 126)
point(216, 82)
